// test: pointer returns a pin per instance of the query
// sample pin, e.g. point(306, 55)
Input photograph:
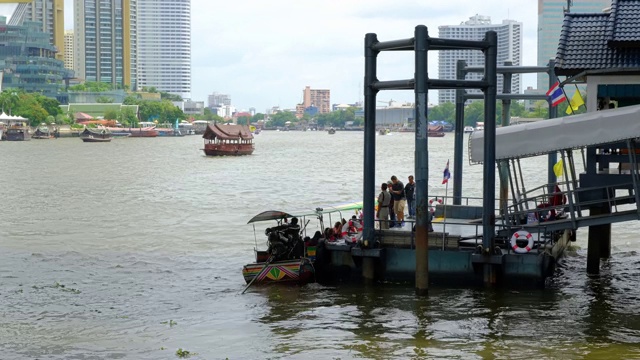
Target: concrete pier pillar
point(368, 269)
point(599, 245)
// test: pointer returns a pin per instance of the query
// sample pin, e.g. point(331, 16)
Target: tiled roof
point(600, 41)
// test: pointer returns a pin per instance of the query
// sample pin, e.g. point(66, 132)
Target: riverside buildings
point(68, 49)
point(50, 15)
point(164, 45)
point(28, 60)
point(550, 18)
point(314, 101)
point(103, 42)
point(509, 48)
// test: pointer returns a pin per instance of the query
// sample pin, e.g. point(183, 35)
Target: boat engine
point(283, 243)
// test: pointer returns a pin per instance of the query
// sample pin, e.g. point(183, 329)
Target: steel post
point(503, 166)
point(459, 136)
point(553, 113)
point(421, 160)
point(369, 176)
point(489, 165)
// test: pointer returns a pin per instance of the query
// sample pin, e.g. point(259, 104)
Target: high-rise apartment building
point(217, 99)
point(509, 49)
point(103, 41)
point(68, 49)
point(50, 13)
point(318, 98)
point(550, 18)
point(164, 45)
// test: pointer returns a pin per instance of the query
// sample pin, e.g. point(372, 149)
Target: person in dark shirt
point(410, 194)
point(397, 193)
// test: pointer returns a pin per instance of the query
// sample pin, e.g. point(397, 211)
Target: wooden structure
point(220, 140)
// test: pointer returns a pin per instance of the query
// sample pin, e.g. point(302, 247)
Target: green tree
point(474, 113)
point(111, 115)
point(244, 120)
point(128, 117)
point(170, 97)
point(104, 100)
point(445, 111)
point(131, 100)
point(280, 118)
point(255, 118)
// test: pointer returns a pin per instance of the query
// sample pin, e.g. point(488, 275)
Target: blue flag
point(447, 174)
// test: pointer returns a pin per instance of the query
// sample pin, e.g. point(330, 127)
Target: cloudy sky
point(263, 53)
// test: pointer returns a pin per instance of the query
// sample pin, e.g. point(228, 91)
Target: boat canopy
point(279, 215)
point(227, 132)
point(570, 132)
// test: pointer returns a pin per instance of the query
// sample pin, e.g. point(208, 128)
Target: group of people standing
point(393, 197)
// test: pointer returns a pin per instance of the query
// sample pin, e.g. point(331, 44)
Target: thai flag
point(556, 94)
point(447, 174)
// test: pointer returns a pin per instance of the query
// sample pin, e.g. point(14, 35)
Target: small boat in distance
point(144, 132)
point(435, 131)
point(468, 129)
point(42, 132)
point(96, 135)
point(384, 131)
point(220, 140)
point(480, 126)
point(331, 131)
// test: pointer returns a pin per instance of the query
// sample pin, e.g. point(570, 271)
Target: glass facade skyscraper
point(550, 18)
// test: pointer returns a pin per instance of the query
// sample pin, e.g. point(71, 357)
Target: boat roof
point(227, 132)
point(279, 215)
point(569, 132)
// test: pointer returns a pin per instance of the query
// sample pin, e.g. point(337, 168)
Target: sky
point(263, 53)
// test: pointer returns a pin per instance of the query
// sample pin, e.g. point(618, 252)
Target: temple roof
point(598, 41)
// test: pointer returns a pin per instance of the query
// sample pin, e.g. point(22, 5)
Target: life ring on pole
point(518, 235)
point(432, 208)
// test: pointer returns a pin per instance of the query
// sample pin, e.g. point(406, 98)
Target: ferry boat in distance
point(235, 140)
point(96, 135)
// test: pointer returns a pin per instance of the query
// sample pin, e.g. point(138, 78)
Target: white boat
point(480, 126)
point(468, 129)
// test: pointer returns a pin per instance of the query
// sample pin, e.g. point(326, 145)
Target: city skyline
point(264, 54)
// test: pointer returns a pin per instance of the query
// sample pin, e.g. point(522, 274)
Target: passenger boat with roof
point(221, 140)
point(96, 135)
point(292, 256)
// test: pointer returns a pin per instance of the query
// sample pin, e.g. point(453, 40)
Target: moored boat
point(18, 133)
point(42, 132)
point(144, 132)
point(96, 135)
point(288, 258)
point(220, 140)
point(435, 131)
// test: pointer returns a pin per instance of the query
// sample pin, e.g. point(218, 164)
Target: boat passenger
point(337, 229)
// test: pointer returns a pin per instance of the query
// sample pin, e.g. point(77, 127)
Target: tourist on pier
point(392, 214)
point(397, 193)
point(410, 194)
point(384, 198)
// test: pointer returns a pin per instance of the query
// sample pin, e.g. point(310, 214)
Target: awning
point(571, 132)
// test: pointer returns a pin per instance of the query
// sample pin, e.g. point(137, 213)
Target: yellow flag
point(557, 168)
point(575, 103)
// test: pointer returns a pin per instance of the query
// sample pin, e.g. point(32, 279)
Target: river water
point(134, 249)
